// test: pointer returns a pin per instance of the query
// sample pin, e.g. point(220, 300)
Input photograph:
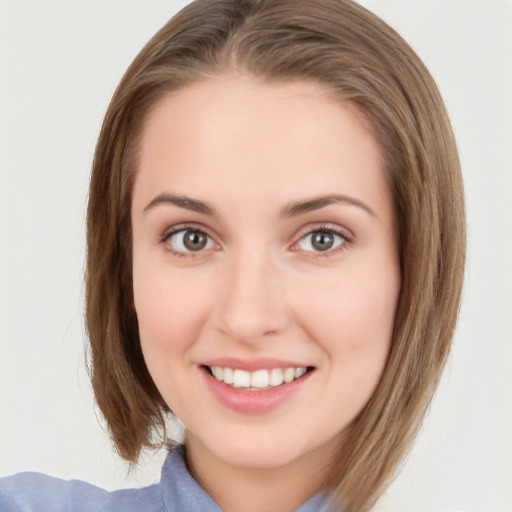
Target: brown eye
point(321, 241)
point(195, 240)
point(190, 240)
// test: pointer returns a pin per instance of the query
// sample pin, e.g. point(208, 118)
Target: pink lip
point(251, 365)
point(253, 402)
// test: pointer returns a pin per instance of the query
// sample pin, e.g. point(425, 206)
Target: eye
point(189, 240)
point(321, 241)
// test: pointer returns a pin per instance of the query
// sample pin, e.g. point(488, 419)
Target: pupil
point(194, 240)
point(322, 241)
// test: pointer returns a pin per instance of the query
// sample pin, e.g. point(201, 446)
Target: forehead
point(229, 102)
point(242, 135)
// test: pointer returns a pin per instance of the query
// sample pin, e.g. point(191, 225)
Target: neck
point(236, 489)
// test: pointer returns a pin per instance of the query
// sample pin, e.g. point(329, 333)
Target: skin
point(259, 288)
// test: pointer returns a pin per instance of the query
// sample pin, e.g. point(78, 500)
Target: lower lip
point(253, 402)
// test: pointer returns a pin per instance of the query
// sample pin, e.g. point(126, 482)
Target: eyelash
point(179, 229)
point(323, 228)
point(328, 229)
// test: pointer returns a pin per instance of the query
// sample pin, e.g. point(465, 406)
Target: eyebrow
point(300, 207)
point(293, 209)
point(183, 202)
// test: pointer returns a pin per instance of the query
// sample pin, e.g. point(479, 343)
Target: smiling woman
point(257, 259)
point(276, 281)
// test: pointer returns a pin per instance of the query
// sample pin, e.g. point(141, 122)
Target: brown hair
point(361, 60)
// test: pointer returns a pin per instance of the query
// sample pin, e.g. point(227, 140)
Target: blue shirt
point(177, 491)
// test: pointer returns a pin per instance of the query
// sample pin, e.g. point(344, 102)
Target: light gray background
point(60, 61)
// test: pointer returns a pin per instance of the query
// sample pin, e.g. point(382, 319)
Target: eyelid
point(186, 226)
point(303, 232)
point(328, 227)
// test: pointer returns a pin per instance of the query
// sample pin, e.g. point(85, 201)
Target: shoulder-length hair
point(360, 60)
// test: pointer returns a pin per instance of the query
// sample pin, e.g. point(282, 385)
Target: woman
point(258, 260)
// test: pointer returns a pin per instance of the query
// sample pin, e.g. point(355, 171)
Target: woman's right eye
point(186, 241)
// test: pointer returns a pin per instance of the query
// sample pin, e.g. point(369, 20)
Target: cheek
point(355, 310)
point(169, 311)
point(170, 321)
point(352, 318)
point(353, 326)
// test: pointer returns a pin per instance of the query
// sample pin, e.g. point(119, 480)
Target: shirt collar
point(182, 492)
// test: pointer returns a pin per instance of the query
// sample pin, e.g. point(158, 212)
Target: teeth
point(218, 372)
point(241, 379)
point(228, 375)
point(259, 379)
point(288, 375)
point(299, 372)
point(276, 377)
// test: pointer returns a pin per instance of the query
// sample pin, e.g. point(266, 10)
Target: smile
point(258, 387)
point(257, 380)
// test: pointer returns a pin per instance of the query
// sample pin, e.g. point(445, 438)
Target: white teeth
point(259, 379)
point(241, 379)
point(276, 377)
point(299, 372)
point(228, 375)
point(288, 375)
point(218, 372)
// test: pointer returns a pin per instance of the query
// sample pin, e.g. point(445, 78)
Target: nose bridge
point(252, 303)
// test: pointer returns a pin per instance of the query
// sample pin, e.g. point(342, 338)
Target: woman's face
point(265, 267)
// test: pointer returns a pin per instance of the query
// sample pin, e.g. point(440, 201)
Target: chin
point(265, 450)
point(257, 458)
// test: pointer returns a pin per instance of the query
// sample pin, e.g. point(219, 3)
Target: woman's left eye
point(321, 240)
point(189, 240)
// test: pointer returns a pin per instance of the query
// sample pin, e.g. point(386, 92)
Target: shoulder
point(35, 492)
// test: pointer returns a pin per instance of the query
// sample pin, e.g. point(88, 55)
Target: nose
point(252, 305)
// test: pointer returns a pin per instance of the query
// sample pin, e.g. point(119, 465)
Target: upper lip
point(251, 365)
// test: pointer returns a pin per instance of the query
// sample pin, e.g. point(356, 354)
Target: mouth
point(256, 386)
point(258, 380)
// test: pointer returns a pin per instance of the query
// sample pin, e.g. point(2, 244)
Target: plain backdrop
point(60, 61)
